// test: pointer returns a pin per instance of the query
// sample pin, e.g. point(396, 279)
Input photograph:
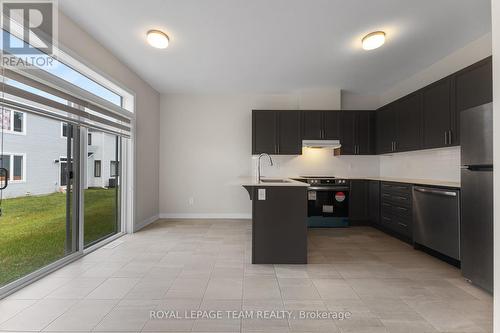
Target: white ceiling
point(280, 45)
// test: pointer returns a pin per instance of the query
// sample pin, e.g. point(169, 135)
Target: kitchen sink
point(274, 180)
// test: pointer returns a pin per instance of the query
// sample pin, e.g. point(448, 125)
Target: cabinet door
point(358, 200)
point(364, 132)
point(331, 124)
point(386, 122)
point(264, 136)
point(436, 114)
point(312, 125)
point(409, 127)
point(289, 138)
point(473, 87)
point(347, 132)
point(374, 201)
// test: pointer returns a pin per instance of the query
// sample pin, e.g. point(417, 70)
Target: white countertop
point(251, 181)
point(431, 182)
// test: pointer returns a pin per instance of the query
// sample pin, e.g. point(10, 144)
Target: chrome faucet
point(270, 162)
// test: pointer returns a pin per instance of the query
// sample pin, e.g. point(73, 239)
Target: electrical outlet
point(191, 201)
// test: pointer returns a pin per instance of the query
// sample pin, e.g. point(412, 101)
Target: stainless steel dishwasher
point(436, 215)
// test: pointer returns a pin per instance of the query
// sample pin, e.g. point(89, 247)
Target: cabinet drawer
point(396, 200)
point(403, 228)
point(395, 188)
point(386, 220)
point(401, 200)
point(403, 212)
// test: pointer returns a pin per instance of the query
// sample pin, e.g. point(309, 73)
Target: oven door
point(328, 201)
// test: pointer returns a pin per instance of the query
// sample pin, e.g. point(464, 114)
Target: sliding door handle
point(4, 173)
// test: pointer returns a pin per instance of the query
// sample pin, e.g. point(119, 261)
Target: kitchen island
point(279, 220)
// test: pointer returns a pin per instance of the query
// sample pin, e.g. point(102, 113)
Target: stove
point(324, 180)
point(327, 201)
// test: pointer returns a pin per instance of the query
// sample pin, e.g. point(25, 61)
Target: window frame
point(111, 175)
point(62, 130)
point(97, 162)
point(11, 167)
point(11, 131)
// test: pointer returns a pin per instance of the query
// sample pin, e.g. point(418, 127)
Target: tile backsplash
point(439, 164)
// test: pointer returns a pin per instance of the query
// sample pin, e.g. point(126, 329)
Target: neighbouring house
point(35, 153)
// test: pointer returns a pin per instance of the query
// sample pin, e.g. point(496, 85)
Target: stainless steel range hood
point(327, 144)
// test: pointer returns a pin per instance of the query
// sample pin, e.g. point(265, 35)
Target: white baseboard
point(146, 222)
point(229, 216)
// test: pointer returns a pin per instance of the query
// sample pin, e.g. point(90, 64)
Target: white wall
point(357, 101)
point(496, 157)
point(441, 164)
point(206, 145)
point(147, 113)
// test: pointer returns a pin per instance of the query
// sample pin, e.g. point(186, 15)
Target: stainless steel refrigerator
point(476, 140)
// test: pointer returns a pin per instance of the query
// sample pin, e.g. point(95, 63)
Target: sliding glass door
point(101, 218)
point(38, 224)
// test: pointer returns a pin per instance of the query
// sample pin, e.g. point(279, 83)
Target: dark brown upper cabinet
point(473, 87)
point(409, 123)
point(386, 124)
point(289, 136)
point(430, 117)
point(365, 132)
point(276, 132)
point(348, 133)
point(357, 132)
point(320, 125)
point(264, 132)
point(437, 114)
point(331, 125)
point(312, 125)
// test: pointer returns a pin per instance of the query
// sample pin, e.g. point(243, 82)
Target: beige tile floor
point(385, 284)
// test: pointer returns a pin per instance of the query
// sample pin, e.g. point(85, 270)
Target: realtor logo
point(29, 32)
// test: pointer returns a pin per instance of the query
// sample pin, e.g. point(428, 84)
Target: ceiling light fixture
point(373, 40)
point(157, 39)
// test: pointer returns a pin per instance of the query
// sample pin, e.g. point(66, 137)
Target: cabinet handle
point(449, 137)
point(403, 225)
point(445, 138)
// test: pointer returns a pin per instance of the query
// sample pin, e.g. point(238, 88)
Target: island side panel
point(279, 226)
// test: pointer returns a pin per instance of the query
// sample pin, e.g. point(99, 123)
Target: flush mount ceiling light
point(157, 39)
point(373, 40)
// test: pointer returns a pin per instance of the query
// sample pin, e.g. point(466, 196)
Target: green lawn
point(33, 229)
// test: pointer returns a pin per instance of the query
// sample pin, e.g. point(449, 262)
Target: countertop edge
point(291, 183)
point(423, 182)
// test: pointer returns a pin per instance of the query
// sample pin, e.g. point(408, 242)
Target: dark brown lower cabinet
point(396, 209)
point(358, 201)
point(374, 201)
